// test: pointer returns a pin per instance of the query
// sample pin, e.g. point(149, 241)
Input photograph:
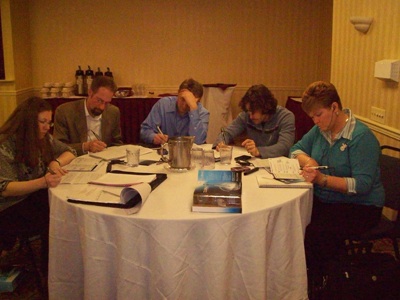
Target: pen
point(51, 171)
point(96, 135)
point(223, 135)
point(159, 130)
point(251, 171)
point(317, 168)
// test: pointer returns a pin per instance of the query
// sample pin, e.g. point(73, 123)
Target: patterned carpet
point(27, 288)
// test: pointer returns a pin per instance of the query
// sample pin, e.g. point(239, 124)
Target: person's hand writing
point(250, 146)
point(52, 180)
point(96, 146)
point(160, 139)
point(190, 99)
point(56, 168)
point(309, 174)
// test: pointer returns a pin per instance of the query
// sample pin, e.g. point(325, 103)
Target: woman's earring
point(337, 113)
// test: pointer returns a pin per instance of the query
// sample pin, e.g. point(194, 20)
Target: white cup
point(132, 156)
point(208, 160)
point(225, 154)
point(197, 157)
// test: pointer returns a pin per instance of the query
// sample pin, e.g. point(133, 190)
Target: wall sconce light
point(361, 24)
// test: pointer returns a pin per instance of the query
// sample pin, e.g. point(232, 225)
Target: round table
point(165, 251)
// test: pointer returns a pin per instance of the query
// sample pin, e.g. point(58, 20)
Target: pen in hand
point(223, 135)
point(96, 135)
point(159, 130)
point(317, 168)
point(51, 171)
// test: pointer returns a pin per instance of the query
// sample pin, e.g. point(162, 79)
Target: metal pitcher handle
point(162, 150)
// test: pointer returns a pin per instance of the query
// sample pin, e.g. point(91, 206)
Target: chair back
point(390, 176)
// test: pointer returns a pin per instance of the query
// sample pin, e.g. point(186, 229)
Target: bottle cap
point(79, 72)
point(99, 72)
point(89, 72)
point(108, 72)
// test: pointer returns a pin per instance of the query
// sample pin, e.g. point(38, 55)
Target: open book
point(130, 197)
point(122, 197)
point(268, 181)
point(285, 168)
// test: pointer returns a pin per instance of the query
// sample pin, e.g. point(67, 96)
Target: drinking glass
point(208, 160)
point(132, 156)
point(197, 157)
point(225, 154)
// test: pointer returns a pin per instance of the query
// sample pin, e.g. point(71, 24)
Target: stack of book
point(219, 191)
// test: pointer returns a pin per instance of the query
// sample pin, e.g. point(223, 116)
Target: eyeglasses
point(101, 101)
point(44, 122)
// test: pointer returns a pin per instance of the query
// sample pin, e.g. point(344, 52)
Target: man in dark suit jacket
point(92, 124)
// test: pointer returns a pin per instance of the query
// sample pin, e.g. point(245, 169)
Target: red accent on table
point(133, 112)
point(303, 122)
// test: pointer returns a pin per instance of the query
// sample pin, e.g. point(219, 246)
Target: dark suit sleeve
point(63, 128)
point(116, 137)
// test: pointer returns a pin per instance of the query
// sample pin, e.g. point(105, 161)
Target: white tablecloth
point(168, 252)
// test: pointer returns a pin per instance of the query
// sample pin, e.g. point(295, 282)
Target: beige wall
point(17, 55)
point(283, 44)
point(353, 59)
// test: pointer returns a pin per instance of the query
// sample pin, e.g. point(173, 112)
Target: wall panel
point(353, 59)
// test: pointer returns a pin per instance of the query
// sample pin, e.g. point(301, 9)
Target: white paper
point(117, 152)
point(80, 177)
point(83, 163)
point(260, 163)
point(115, 179)
point(285, 168)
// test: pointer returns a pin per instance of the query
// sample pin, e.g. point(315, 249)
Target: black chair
point(390, 176)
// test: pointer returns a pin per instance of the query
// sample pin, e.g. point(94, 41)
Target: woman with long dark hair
point(30, 162)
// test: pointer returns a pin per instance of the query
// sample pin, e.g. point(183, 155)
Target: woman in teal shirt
point(348, 196)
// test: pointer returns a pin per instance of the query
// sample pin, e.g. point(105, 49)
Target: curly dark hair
point(23, 124)
point(259, 97)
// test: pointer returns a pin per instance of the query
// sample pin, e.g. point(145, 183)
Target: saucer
point(178, 170)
